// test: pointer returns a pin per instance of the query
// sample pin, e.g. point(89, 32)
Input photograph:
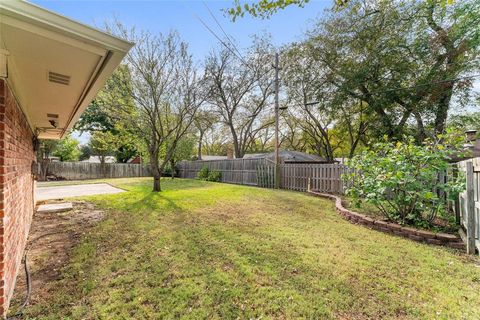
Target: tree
point(97, 117)
point(217, 140)
point(463, 122)
point(45, 150)
point(262, 8)
point(266, 8)
point(240, 90)
point(164, 85)
point(102, 144)
point(404, 60)
point(85, 152)
point(290, 132)
point(112, 111)
point(67, 149)
point(183, 151)
point(323, 113)
point(203, 121)
point(452, 37)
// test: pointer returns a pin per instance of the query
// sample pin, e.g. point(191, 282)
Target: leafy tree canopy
point(67, 149)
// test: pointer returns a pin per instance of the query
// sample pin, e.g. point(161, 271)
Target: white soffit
point(55, 65)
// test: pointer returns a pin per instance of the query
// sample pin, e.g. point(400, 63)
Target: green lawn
point(207, 250)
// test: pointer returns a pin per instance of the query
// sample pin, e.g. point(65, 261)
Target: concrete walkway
point(60, 192)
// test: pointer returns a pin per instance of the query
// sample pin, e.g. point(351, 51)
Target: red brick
point(457, 245)
point(16, 191)
point(409, 231)
point(433, 241)
point(415, 237)
point(381, 223)
point(394, 226)
point(448, 237)
point(426, 234)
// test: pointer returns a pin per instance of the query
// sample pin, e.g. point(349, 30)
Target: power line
point(223, 30)
point(222, 42)
point(237, 55)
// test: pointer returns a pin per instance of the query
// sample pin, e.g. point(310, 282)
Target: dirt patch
point(51, 240)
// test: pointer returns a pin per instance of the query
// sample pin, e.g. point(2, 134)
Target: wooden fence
point(253, 172)
point(85, 170)
point(469, 204)
point(322, 177)
point(261, 172)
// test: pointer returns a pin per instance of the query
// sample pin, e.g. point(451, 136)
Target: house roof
point(288, 156)
point(96, 159)
point(470, 150)
point(285, 156)
point(208, 157)
point(55, 66)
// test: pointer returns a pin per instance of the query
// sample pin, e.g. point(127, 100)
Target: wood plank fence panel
point(236, 171)
point(322, 177)
point(85, 170)
point(261, 172)
point(469, 203)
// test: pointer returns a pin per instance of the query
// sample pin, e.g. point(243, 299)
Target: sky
point(286, 26)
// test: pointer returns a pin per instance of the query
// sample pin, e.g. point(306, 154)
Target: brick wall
point(16, 190)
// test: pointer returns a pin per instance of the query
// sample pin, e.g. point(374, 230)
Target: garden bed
point(375, 221)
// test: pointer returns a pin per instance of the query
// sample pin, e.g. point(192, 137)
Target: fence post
point(470, 209)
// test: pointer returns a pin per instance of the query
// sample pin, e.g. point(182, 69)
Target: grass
point(207, 250)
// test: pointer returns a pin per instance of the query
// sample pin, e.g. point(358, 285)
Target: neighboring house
point(54, 159)
point(285, 157)
point(471, 148)
point(96, 159)
point(207, 158)
point(135, 160)
point(289, 157)
point(50, 69)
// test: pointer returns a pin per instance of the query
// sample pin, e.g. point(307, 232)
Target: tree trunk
point(353, 147)
point(442, 108)
point(172, 167)
point(155, 171)
point(236, 143)
point(199, 155)
point(44, 169)
point(156, 183)
point(102, 166)
point(421, 134)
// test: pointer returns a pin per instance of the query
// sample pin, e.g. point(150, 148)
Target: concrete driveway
point(60, 192)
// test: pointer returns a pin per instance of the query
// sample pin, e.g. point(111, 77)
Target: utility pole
point(277, 142)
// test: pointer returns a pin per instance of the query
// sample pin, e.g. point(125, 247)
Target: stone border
point(442, 239)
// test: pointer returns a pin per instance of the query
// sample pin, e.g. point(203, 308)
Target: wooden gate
point(469, 204)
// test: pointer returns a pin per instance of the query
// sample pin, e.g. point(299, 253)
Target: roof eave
point(39, 16)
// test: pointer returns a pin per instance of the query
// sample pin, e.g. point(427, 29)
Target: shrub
point(214, 176)
point(207, 175)
point(203, 173)
point(401, 180)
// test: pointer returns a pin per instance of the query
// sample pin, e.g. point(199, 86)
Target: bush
point(401, 180)
point(203, 173)
point(207, 175)
point(214, 176)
